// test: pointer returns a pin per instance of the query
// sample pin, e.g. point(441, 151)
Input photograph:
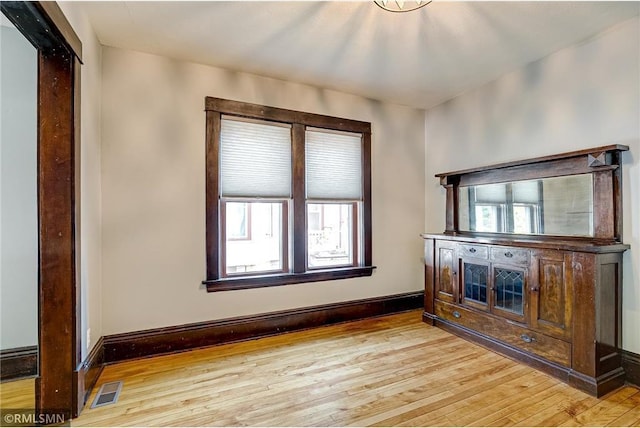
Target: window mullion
point(299, 195)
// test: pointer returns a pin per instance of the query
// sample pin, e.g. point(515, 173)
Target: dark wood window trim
point(216, 281)
point(258, 281)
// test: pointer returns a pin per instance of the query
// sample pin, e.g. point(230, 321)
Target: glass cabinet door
point(509, 292)
point(499, 289)
point(475, 283)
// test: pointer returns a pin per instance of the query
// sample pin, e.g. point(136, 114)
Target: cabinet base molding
point(597, 386)
point(492, 344)
point(594, 386)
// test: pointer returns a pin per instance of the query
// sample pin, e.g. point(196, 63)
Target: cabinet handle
point(535, 288)
point(472, 250)
point(456, 314)
point(508, 254)
point(527, 339)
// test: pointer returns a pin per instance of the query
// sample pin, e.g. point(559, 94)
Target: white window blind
point(255, 158)
point(333, 164)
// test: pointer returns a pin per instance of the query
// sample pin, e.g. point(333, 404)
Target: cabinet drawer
point(536, 343)
point(511, 255)
point(471, 250)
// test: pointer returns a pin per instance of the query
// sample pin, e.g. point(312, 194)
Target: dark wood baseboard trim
point(597, 387)
point(631, 366)
point(148, 343)
point(87, 373)
point(17, 363)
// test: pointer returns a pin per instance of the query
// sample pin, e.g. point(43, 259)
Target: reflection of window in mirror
point(560, 206)
point(526, 218)
point(487, 218)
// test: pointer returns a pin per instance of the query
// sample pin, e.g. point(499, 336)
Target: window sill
point(240, 283)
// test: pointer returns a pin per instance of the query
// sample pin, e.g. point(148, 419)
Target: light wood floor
point(18, 394)
point(391, 371)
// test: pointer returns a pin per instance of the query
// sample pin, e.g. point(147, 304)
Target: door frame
point(59, 59)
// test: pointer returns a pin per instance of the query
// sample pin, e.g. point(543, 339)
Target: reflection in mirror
point(18, 219)
point(561, 206)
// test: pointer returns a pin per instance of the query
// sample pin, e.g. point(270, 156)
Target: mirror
point(561, 206)
point(18, 219)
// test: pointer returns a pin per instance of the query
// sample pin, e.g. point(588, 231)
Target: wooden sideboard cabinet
point(505, 276)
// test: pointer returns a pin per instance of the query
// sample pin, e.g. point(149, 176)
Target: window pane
point(330, 235)
point(254, 237)
point(237, 220)
point(333, 165)
point(255, 158)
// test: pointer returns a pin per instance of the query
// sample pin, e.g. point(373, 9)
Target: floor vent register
point(108, 394)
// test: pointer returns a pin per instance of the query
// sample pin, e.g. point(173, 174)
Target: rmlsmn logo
point(29, 417)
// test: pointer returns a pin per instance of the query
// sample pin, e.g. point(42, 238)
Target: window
point(288, 196)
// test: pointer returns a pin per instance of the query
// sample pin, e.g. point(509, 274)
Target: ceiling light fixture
point(401, 6)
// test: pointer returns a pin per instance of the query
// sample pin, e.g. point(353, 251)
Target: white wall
point(583, 96)
point(153, 192)
point(19, 192)
point(90, 204)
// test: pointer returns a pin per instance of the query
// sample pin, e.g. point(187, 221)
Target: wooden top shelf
point(577, 153)
point(542, 242)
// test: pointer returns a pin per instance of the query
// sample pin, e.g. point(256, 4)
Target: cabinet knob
point(456, 314)
point(508, 254)
point(535, 288)
point(527, 339)
point(472, 250)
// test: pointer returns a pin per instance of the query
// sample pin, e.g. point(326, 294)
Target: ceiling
point(420, 59)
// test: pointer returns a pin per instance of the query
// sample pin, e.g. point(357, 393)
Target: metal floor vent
point(108, 394)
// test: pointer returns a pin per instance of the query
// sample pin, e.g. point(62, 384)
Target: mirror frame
point(604, 163)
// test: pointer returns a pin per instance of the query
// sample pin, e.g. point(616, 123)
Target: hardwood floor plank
point(388, 371)
point(449, 392)
point(17, 394)
point(603, 412)
point(484, 405)
point(521, 406)
point(556, 404)
point(632, 416)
